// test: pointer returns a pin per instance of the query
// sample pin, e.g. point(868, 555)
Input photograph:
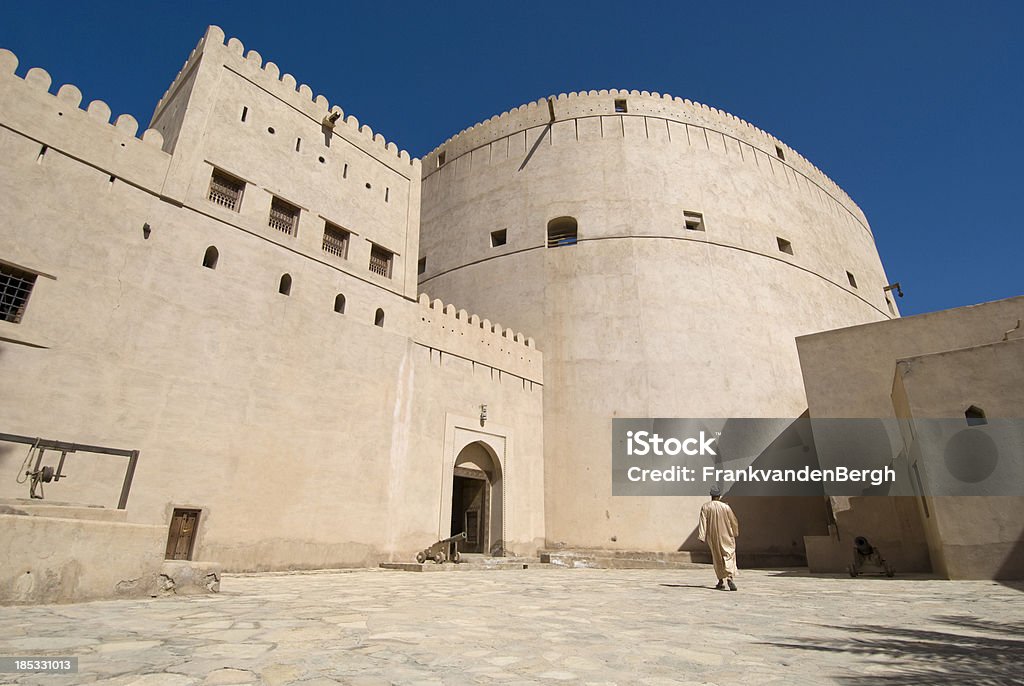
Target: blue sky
point(912, 107)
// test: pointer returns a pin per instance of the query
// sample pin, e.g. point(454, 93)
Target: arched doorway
point(477, 500)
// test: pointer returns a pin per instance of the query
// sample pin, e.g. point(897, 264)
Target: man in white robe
point(719, 529)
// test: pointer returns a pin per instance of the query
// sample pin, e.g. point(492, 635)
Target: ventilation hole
point(779, 153)
point(368, 185)
point(975, 416)
point(270, 129)
point(322, 160)
point(499, 237)
point(784, 245)
point(852, 279)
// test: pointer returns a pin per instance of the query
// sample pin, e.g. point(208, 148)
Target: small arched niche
point(339, 304)
point(562, 231)
point(210, 257)
point(378, 318)
point(975, 416)
point(285, 287)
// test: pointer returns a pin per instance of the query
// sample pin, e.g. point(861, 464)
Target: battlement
point(467, 335)
point(57, 121)
point(568, 106)
point(267, 75)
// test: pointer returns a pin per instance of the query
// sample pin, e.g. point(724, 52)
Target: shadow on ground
point(972, 652)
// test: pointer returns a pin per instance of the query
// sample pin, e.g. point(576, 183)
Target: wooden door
point(182, 535)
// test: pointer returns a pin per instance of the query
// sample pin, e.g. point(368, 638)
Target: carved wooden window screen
point(226, 190)
point(283, 216)
point(380, 261)
point(335, 240)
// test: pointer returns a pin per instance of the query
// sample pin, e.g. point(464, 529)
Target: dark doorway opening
point(470, 509)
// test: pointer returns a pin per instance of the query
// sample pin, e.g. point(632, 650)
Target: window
point(285, 287)
point(335, 240)
point(440, 158)
point(15, 287)
point(975, 416)
point(562, 231)
point(852, 279)
point(245, 113)
point(211, 257)
point(339, 304)
point(784, 245)
point(380, 261)
point(298, 145)
point(421, 266)
point(620, 106)
point(284, 217)
point(694, 221)
point(378, 318)
point(498, 238)
point(226, 190)
point(779, 153)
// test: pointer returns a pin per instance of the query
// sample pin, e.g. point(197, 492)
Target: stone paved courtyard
point(540, 625)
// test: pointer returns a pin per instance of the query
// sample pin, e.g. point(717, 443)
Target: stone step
point(60, 510)
point(642, 559)
point(468, 563)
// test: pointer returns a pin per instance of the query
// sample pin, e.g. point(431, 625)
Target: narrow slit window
point(339, 303)
point(15, 288)
point(620, 106)
point(387, 195)
point(441, 158)
point(336, 240)
point(780, 153)
point(784, 245)
point(381, 260)
point(284, 287)
point(421, 266)
point(694, 221)
point(499, 237)
point(283, 216)
point(344, 172)
point(852, 279)
point(226, 190)
point(378, 318)
point(245, 113)
point(298, 145)
point(210, 257)
point(42, 154)
point(562, 231)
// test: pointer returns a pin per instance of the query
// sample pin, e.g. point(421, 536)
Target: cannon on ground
point(867, 557)
point(439, 552)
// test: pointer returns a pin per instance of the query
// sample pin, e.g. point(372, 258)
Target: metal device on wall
point(40, 473)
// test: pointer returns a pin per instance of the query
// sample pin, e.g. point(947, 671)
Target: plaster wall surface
point(642, 316)
point(972, 536)
point(306, 436)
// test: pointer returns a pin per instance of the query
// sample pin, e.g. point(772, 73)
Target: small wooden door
point(182, 535)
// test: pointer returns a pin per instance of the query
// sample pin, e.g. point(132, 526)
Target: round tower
point(664, 255)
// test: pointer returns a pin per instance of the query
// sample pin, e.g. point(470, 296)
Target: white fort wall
point(643, 317)
point(307, 437)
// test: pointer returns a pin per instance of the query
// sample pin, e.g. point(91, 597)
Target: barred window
point(284, 217)
point(562, 231)
point(380, 261)
point(335, 240)
point(15, 287)
point(226, 190)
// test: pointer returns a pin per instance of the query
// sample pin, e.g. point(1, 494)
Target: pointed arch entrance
point(477, 499)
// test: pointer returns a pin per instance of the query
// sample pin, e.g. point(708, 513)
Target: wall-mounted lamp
point(894, 287)
point(483, 414)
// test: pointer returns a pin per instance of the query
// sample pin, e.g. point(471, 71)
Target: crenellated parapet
point(58, 121)
point(456, 332)
point(267, 75)
point(642, 104)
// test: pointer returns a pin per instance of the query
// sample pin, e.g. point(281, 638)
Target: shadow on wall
point(971, 652)
point(1013, 567)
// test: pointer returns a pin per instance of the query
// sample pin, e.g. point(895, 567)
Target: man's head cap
point(715, 491)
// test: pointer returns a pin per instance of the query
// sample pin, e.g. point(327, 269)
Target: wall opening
point(284, 216)
point(298, 145)
point(440, 158)
point(620, 106)
point(381, 260)
point(210, 258)
point(245, 112)
point(784, 245)
point(852, 279)
point(421, 265)
point(780, 153)
point(478, 500)
point(336, 240)
point(562, 231)
point(225, 190)
point(285, 286)
point(694, 221)
point(15, 288)
point(339, 303)
point(499, 237)
point(975, 416)
point(378, 318)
